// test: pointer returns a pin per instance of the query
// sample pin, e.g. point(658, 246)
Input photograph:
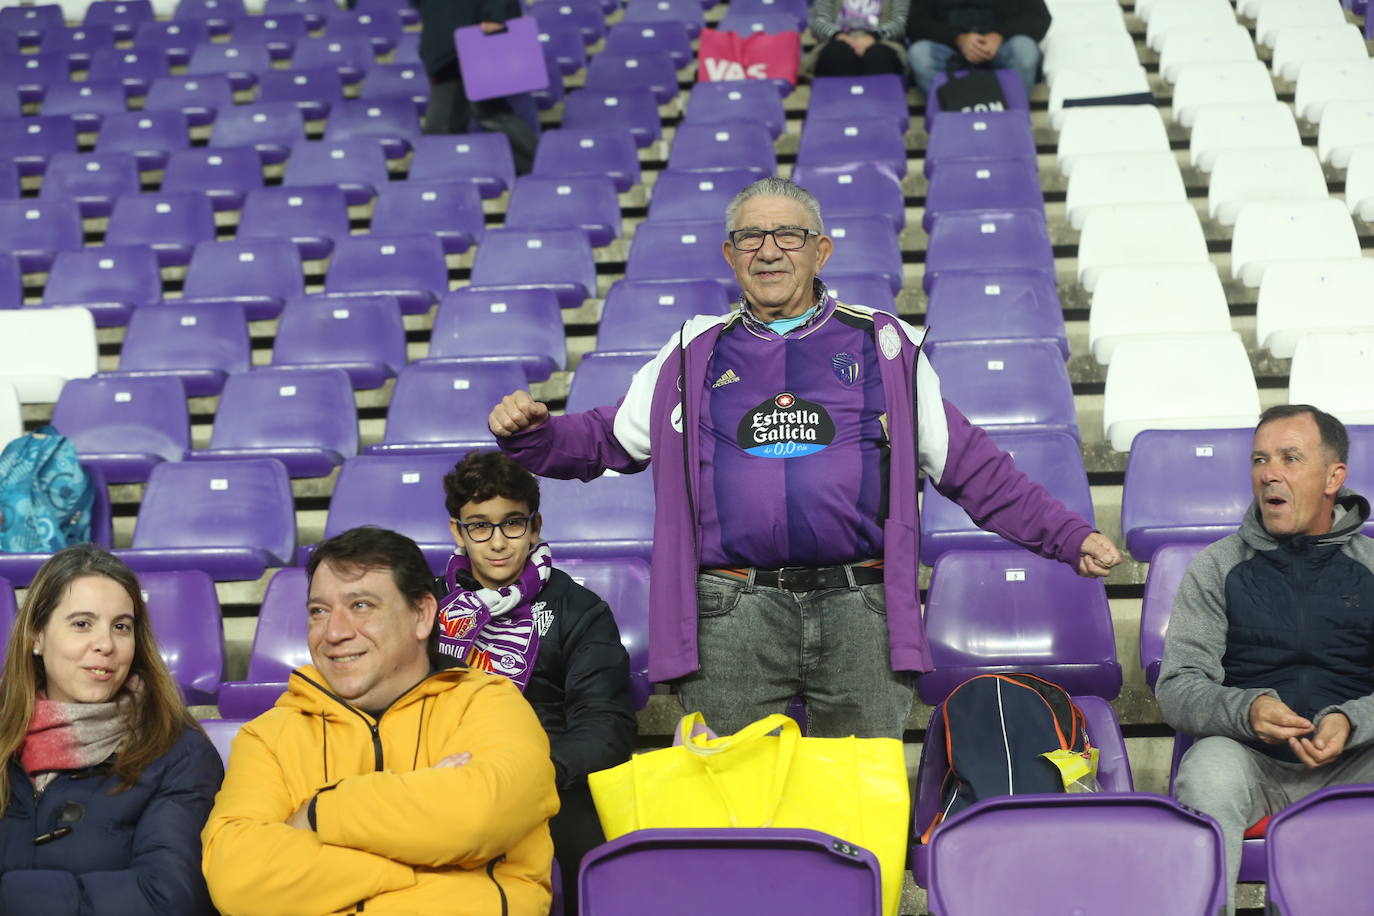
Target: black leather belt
point(808, 578)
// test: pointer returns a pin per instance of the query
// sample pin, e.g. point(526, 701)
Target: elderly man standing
point(785, 449)
point(1269, 658)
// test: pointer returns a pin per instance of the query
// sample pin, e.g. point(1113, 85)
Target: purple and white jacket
point(668, 396)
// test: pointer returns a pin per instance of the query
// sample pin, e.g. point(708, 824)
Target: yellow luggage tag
point(1078, 770)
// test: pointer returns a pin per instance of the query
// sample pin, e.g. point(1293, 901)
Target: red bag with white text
point(731, 56)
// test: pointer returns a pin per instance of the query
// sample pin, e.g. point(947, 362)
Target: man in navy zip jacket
point(785, 451)
point(1269, 658)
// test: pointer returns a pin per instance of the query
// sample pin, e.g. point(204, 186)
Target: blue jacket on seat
point(132, 853)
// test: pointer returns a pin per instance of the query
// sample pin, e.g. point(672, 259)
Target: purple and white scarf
point(495, 630)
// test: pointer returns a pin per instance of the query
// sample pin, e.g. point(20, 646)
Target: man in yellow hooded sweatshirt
point(382, 782)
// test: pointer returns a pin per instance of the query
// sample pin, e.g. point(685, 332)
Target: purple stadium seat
point(610, 72)
point(174, 40)
point(123, 17)
point(93, 180)
point(78, 44)
point(311, 217)
point(380, 26)
point(983, 185)
point(680, 250)
point(586, 15)
point(1184, 486)
point(752, 23)
point(278, 33)
point(1013, 90)
point(393, 80)
point(11, 282)
point(402, 492)
point(603, 378)
point(796, 10)
point(856, 189)
point(125, 426)
point(313, 91)
point(199, 346)
point(723, 146)
point(9, 609)
point(862, 289)
point(1011, 385)
point(279, 646)
point(225, 174)
point(232, 519)
point(564, 50)
point(1167, 567)
point(184, 611)
point(484, 159)
point(623, 583)
point(865, 244)
point(36, 230)
point(442, 407)
point(219, 15)
point(991, 611)
point(258, 275)
point(305, 418)
point(824, 873)
point(556, 259)
point(1334, 821)
point(272, 128)
point(357, 167)
point(856, 139)
point(221, 733)
point(592, 151)
point(409, 268)
point(996, 306)
point(314, 11)
point(629, 39)
point(86, 103)
point(32, 73)
point(408, 14)
point(407, 49)
point(1010, 240)
point(20, 568)
point(136, 68)
point(633, 107)
point(110, 280)
point(640, 316)
point(847, 97)
point(1113, 770)
point(351, 57)
point(1127, 843)
point(611, 516)
point(173, 222)
point(588, 203)
point(736, 100)
point(958, 135)
point(362, 335)
point(31, 22)
point(393, 122)
point(33, 140)
point(1050, 458)
point(520, 326)
point(152, 136)
point(9, 107)
point(688, 12)
point(450, 210)
point(696, 195)
point(198, 97)
point(554, 93)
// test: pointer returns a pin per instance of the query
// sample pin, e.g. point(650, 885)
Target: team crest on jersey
point(846, 367)
point(543, 616)
point(889, 342)
point(785, 426)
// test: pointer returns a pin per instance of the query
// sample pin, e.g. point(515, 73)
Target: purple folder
point(503, 63)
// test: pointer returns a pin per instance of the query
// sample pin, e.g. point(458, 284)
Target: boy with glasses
point(510, 612)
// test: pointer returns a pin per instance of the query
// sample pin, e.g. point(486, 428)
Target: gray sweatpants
point(1238, 786)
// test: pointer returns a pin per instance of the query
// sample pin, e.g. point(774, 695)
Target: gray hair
point(775, 187)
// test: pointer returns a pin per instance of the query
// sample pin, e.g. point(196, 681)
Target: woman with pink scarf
point(108, 778)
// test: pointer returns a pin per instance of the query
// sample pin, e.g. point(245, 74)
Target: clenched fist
point(517, 411)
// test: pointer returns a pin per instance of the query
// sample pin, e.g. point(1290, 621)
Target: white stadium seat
point(1110, 129)
point(1158, 300)
point(1236, 83)
point(1219, 127)
point(1359, 183)
point(1107, 179)
point(1240, 176)
point(1303, 297)
point(1139, 234)
point(1332, 371)
point(1212, 45)
point(1323, 81)
point(40, 349)
point(1296, 46)
point(1268, 231)
point(1345, 126)
point(1094, 82)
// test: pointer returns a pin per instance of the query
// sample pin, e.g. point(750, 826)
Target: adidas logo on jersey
point(728, 378)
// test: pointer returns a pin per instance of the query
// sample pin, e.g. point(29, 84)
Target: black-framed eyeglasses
point(479, 532)
point(788, 238)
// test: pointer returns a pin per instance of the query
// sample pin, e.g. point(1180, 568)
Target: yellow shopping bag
point(767, 775)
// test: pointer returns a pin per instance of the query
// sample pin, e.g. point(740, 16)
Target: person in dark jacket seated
point(108, 778)
point(1269, 655)
point(510, 611)
point(958, 34)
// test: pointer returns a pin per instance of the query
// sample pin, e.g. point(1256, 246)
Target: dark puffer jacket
point(132, 853)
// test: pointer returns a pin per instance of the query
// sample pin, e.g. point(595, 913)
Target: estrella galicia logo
point(846, 367)
point(785, 426)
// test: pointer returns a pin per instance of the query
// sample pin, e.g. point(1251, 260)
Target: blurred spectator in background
point(857, 37)
point(959, 34)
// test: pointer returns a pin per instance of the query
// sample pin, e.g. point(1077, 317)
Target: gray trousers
point(759, 647)
point(1238, 786)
